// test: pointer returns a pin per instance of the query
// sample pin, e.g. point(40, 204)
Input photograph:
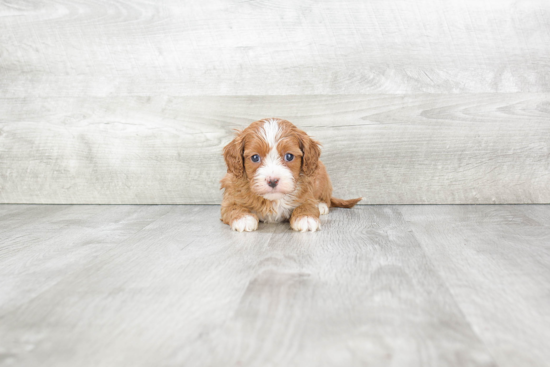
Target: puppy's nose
point(272, 182)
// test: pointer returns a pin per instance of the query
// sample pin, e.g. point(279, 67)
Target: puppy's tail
point(341, 203)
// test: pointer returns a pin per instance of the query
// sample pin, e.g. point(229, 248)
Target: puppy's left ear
point(311, 150)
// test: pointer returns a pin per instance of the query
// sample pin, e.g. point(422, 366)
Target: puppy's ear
point(233, 155)
point(311, 150)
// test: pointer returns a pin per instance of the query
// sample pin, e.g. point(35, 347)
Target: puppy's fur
point(274, 174)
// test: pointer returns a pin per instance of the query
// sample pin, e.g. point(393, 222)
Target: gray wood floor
point(171, 285)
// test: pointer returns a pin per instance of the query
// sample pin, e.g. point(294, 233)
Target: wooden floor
point(173, 286)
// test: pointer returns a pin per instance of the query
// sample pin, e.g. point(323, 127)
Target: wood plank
point(496, 262)
point(13, 216)
point(421, 149)
point(186, 290)
point(360, 292)
point(104, 48)
point(36, 256)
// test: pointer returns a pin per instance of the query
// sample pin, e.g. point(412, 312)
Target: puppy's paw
point(305, 223)
point(323, 208)
point(246, 223)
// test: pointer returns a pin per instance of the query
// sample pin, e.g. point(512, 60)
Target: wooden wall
point(131, 101)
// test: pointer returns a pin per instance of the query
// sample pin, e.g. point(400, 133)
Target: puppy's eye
point(255, 158)
point(289, 157)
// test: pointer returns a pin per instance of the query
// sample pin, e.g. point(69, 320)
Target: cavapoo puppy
point(274, 174)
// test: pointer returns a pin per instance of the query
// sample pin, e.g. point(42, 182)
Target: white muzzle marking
point(272, 166)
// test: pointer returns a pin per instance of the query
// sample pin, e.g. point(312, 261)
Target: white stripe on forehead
point(271, 132)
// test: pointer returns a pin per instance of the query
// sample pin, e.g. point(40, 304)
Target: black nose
point(272, 182)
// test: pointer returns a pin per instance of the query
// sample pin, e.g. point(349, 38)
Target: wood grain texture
point(54, 243)
point(496, 262)
point(185, 290)
point(410, 149)
point(112, 48)
point(15, 216)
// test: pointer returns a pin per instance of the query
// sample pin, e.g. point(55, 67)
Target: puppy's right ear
point(233, 155)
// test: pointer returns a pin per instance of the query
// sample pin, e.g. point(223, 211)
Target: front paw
point(246, 223)
point(305, 223)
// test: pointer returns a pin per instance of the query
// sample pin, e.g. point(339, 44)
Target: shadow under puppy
point(274, 174)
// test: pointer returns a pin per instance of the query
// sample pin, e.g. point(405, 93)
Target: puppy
point(274, 174)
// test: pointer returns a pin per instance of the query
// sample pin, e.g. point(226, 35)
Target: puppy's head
point(272, 154)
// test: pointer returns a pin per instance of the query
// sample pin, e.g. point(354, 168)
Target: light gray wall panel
point(466, 148)
point(131, 101)
point(215, 47)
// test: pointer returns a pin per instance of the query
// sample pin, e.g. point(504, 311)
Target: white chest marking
point(281, 210)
